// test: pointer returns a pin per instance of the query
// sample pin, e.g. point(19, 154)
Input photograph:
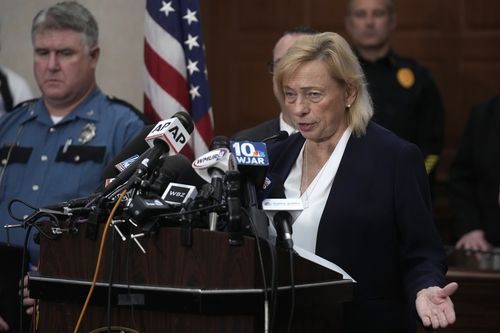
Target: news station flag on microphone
point(175, 69)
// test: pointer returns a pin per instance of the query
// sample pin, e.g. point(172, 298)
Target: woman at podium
point(365, 192)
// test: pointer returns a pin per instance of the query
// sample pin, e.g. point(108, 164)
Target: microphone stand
point(235, 226)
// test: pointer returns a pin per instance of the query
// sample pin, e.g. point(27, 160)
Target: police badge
point(87, 133)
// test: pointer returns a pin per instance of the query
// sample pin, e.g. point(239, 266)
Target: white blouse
point(306, 222)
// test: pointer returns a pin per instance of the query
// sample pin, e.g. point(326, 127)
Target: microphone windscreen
point(219, 141)
point(184, 173)
point(282, 135)
point(185, 120)
point(136, 146)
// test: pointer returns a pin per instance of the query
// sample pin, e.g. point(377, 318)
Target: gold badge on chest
point(405, 77)
point(87, 134)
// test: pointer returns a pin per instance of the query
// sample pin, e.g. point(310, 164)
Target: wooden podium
point(210, 286)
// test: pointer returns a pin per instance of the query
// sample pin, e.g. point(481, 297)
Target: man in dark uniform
point(406, 99)
point(474, 180)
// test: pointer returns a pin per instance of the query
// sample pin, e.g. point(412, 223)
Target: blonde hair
point(342, 65)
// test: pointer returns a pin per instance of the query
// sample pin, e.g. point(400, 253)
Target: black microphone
point(174, 168)
point(217, 172)
point(282, 219)
point(280, 136)
point(212, 167)
point(167, 136)
point(235, 227)
point(136, 146)
point(282, 222)
point(74, 203)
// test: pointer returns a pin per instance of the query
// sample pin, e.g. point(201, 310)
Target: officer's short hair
point(67, 15)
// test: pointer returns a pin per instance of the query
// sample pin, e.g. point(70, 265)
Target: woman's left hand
point(434, 306)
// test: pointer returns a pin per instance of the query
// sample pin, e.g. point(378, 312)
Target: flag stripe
point(166, 77)
point(175, 70)
point(170, 49)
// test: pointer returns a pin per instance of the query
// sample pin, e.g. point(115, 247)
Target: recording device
point(282, 222)
point(166, 137)
point(280, 136)
point(173, 168)
point(137, 146)
point(235, 227)
point(253, 162)
point(278, 207)
point(212, 167)
point(174, 132)
point(178, 194)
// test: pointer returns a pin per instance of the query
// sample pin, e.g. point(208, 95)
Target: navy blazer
point(377, 225)
point(260, 131)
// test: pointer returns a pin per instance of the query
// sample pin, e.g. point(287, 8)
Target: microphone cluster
point(217, 191)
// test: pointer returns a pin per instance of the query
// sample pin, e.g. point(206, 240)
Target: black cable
point(110, 282)
point(261, 263)
point(292, 291)
point(11, 214)
point(196, 210)
point(23, 272)
point(127, 277)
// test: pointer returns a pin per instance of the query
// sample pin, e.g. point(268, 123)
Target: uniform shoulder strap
point(141, 115)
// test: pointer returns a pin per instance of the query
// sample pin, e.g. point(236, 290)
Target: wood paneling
point(459, 40)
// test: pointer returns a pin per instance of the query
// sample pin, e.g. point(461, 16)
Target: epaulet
point(26, 103)
point(141, 115)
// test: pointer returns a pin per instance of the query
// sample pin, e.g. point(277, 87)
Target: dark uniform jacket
point(474, 178)
point(407, 102)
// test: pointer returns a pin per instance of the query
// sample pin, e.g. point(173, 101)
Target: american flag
point(175, 69)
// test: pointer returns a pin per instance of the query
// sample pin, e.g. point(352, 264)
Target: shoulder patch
point(26, 104)
point(141, 115)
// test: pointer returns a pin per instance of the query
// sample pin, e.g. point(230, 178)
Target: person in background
point(474, 180)
point(283, 121)
point(13, 90)
point(405, 97)
point(54, 148)
point(365, 192)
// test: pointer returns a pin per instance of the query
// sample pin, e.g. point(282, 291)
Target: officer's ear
point(94, 55)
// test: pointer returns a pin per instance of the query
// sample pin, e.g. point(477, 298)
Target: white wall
point(121, 36)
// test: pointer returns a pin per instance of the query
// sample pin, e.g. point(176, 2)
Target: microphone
point(280, 136)
point(253, 163)
point(178, 194)
point(134, 147)
point(212, 167)
point(174, 168)
point(73, 203)
point(166, 136)
point(278, 206)
point(282, 222)
point(172, 134)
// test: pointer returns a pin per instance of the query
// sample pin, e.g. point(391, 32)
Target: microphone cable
point(292, 291)
point(268, 320)
point(98, 263)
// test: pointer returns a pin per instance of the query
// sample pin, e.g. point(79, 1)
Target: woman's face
point(316, 102)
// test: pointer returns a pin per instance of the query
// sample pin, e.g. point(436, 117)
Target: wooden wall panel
point(459, 40)
point(481, 14)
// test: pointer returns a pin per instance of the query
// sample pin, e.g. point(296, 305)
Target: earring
point(348, 106)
